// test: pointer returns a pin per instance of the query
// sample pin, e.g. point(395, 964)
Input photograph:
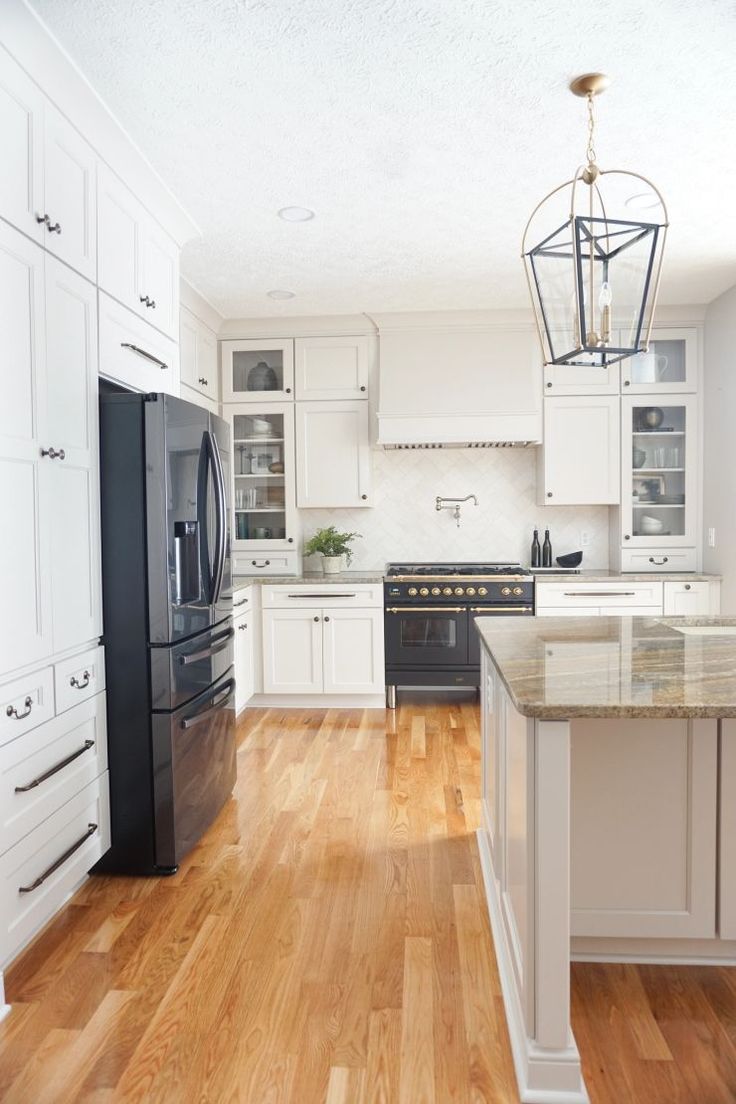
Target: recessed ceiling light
point(295, 214)
point(643, 201)
point(277, 293)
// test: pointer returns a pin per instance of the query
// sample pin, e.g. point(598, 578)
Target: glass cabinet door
point(257, 371)
point(658, 494)
point(670, 365)
point(263, 476)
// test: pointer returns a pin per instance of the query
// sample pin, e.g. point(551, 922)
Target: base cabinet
point(292, 651)
point(352, 651)
point(244, 660)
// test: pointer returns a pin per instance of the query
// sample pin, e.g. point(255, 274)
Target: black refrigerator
point(168, 634)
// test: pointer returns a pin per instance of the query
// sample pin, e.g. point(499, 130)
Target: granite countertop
point(624, 576)
point(559, 668)
point(313, 578)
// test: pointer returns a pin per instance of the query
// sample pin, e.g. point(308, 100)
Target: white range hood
point(464, 379)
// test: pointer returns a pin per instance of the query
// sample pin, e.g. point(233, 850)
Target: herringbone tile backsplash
point(404, 525)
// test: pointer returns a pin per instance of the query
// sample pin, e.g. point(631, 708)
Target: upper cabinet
point(21, 126)
point(331, 367)
point(257, 371)
point(198, 356)
point(669, 367)
point(70, 224)
point(579, 461)
point(571, 379)
point(47, 186)
point(332, 454)
point(138, 262)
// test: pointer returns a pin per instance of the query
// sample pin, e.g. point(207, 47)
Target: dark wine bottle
point(547, 550)
point(536, 550)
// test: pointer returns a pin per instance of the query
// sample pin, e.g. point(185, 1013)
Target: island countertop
point(560, 668)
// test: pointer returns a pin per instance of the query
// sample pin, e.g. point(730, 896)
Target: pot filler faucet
point(441, 503)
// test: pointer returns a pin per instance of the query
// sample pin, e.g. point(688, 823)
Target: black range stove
point(429, 615)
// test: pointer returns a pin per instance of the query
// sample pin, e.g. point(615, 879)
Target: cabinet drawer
point(687, 599)
point(580, 595)
point(659, 560)
point(266, 563)
point(326, 596)
point(134, 353)
point(242, 600)
point(26, 703)
point(39, 873)
point(41, 771)
point(79, 678)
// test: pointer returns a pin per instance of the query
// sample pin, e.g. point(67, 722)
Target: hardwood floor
point(328, 942)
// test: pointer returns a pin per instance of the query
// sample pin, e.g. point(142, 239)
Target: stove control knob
point(436, 591)
point(459, 591)
point(423, 591)
point(447, 590)
point(482, 591)
point(412, 591)
point(518, 591)
point(505, 591)
point(470, 592)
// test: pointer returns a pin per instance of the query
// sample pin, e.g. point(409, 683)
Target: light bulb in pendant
point(605, 299)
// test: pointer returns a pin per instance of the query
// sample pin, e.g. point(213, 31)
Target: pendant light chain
point(590, 152)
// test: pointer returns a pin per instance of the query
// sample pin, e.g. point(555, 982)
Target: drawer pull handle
point(266, 563)
point(242, 602)
point(56, 768)
point(317, 595)
point(600, 594)
point(80, 685)
point(500, 609)
point(11, 711)
point(426, 609)
point(660, 562)
point(91, 829)
point(142, 353)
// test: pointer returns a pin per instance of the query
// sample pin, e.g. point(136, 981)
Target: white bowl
point(262, 428)
point(650, 526)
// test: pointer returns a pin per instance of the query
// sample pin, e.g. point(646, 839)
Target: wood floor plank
point(416, 1084)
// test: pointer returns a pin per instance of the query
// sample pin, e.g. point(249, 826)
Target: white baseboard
point(654, 952)
point(543, 1076)
point(4, 1008)
point(315, 701)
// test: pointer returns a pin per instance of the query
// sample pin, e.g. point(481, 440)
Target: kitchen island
point(609, 811)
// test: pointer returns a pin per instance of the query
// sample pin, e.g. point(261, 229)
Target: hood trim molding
point(519, 430)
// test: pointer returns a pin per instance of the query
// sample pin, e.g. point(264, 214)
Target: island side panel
point(727, 829)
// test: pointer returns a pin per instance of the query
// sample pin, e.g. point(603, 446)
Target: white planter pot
point(332, 565)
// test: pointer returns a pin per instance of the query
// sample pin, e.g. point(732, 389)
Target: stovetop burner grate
point(458, 570)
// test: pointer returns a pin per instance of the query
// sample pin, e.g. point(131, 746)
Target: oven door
point(425, 636)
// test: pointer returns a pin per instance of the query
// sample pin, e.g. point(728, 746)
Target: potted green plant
point(332, 546)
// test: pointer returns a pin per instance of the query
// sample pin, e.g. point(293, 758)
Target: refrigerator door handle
point(215, 704)
point(221, 518)
point(218, 644)
point(205, 461)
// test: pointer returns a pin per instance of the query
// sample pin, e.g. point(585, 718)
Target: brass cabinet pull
point(56, 768)
point(74, 681)
point(91, 829)
point(11, 711)
point(426, 609)
point(500, 609)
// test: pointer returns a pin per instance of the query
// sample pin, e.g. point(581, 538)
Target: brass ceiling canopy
point(594, 273)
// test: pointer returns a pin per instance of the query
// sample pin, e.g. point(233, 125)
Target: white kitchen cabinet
point(670, 366)
point(331, 367)
point(263, 497)
point(659, 500)
point(352, 651)
point(244, 660)
point(583, 597)
point(568, 379)
point(292, 651)
point(70, 200)
point(673, 559)
point(133, 353)
point(696, 599)
point(643, 838)
point(579, 461)
point(138, 264)
point(333, 454)
point(25, 554)
point(727, 832)
point(21, 127)
point(255, 371)
point(198, 356)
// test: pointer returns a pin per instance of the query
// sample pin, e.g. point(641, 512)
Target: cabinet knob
point(627, 383)
point(687, 586)
point(549, 384)
point(627, 536)
point(327, 619)
point(53, 454)
point(242, 627)
point(316, 619)
point(203, 381)
point(290, 540)
point(364, 497)
point(55, 229)
point(287, 390)
point(549, 494)
point(362, 387)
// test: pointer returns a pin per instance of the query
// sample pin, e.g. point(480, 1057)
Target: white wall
point(719, 470)
point(403, 523)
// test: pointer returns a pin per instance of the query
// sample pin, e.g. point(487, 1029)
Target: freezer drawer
point(182, 671)
point(194, 769)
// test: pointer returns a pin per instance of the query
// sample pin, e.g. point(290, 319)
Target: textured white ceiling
point(420, 131)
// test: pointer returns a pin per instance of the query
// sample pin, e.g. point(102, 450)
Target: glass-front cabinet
point(257, 371)
point(670, 366)
point(264, 512)
point(659, 454)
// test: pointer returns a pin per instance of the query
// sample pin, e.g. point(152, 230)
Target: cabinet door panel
point(581, 452)
point(292, 651)
point(331, 367)
point(118, 216)
point(644, 797)
point(686, 599)
point(21, 127)
point(71, 355)
point(333, 454)
point(159, 279)
point(24, 562)
point(353, 652)
point(70, 194)
point(244, 661)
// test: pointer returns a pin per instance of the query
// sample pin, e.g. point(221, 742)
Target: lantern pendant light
point(594, 273)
